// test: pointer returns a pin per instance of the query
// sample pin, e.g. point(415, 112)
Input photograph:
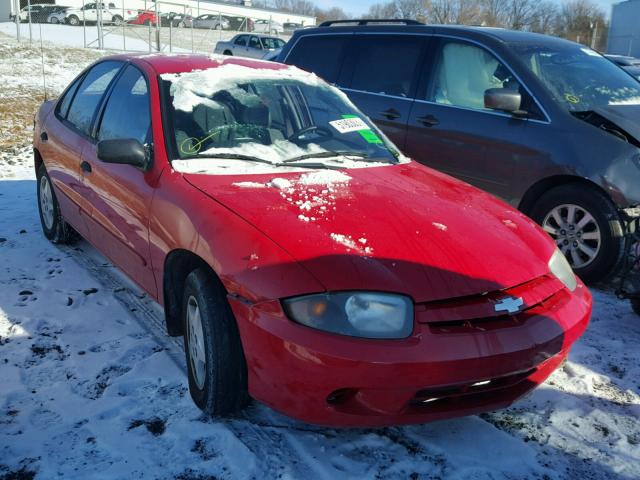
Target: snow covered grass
point(90, 386)
point(23, 89)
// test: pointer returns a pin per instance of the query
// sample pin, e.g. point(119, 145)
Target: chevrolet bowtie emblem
point(509, 305)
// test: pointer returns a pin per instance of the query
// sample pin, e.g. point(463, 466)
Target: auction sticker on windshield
point(350, 124)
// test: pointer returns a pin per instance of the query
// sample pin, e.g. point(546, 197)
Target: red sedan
point(306, 261)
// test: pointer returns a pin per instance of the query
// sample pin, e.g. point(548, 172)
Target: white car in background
point(268, 26)
point(250, 45)
point(89, 13)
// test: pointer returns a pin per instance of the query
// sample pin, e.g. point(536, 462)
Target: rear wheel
point(73, 20)
point(117, 20)
point(227, 52)
point(215, 359)
point(587, 228)
point(53, 225)
point(53, 20)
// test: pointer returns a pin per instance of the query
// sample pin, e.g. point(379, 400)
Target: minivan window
point(90, 93)
point(320, 55)
point(462, 74)
point(395, 76)
point(579, 78)
point(126, 114)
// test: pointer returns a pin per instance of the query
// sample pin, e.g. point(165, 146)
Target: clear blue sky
point(358, 7)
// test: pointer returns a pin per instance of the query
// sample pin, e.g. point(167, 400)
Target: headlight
point(357, 314)
point(562, 270)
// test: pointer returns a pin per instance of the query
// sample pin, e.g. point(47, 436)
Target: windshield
point(579, 78)
point(274, 116)
point(272, 43)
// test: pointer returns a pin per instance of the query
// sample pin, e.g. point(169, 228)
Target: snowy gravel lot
point(90, 387)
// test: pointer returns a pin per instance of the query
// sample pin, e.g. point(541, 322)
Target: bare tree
point(580, 21)
point(545, 18)
point(462, 12)
point(334, 13)
point(520, 14)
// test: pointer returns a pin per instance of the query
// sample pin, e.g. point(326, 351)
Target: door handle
point(428, 120)
point(85, 166)
point(44, 137)
point(391, 114)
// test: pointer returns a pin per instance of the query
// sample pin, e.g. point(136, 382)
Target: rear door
point(254, 50)
point(452, 131)
point(240, 44)
point(380, 76)
point(121, 194)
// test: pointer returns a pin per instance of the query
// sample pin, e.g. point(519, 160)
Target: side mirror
point(503, 99)
point(126, 151)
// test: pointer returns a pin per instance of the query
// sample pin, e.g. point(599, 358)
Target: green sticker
point(369, 135)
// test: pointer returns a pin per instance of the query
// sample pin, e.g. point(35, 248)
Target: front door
point(451, 130)
point(121, 194)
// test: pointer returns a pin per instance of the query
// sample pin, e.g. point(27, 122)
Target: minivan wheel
point(587, 228)
point(215, 360)
point(53, 225)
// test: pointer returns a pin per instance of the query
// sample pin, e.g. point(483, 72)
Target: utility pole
point(595, 35)
point(100, 37)
point(17, 18)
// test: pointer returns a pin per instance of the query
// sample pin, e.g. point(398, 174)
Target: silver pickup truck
point(251, 45)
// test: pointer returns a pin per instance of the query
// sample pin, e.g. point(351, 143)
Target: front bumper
point(333, 380)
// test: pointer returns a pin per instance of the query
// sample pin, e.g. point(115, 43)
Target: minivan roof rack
point(367, 21)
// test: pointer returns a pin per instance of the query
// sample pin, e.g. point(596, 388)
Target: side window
point(463, 72)
point(320, 54)
point(90, 93)
point(400, 55)
point(254, 42)
point(63, 106)
point(241, 40)
point(127, 114)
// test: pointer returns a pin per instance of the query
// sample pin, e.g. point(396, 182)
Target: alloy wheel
point(576, 233)
point(197, 356)
point(46, 202)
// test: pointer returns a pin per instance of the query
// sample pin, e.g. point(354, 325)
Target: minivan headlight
point(356, 314)
point(561, 269)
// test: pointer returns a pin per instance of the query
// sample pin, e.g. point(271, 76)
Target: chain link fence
point(138, 25)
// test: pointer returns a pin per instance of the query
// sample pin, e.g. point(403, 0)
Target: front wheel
point(53, 20)
point(53, 225)
point(215, 360)
point(117, 20)
point(227, 52)
point(73, 20)
point(587, 228)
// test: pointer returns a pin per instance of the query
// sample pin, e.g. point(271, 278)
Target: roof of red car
point(175, 63)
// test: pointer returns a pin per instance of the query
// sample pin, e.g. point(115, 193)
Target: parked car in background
point(211, 21)
point(173, 19)
point(290, 27)
point(268, 26)
point(240, 24)
point(396, 294)
point(39, 12)
point(630, 64)
point(88, 13)
point(251, 45)
point(548, 125)
point(144, 17)
point(58, 15)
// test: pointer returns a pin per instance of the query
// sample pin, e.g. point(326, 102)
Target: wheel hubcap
point(46, 202)
point(197, 356)
point(576, 233)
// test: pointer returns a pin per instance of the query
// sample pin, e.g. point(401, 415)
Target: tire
point(117, 20)
point(73, 20)
point(602, 236)
point(218, 27)
point(228, 52)
point(146, 23)
point(181, 25)
point(54, 20)
point(219, 387)
point(53, 225)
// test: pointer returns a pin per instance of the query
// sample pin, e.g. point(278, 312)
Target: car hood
point(626, 117)
point(402, 228)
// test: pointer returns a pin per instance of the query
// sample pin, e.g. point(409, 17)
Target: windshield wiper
point(309, 165)
point(235, 156)
point(345, 153)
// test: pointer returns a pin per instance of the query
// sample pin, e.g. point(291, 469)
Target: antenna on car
point(44, 78)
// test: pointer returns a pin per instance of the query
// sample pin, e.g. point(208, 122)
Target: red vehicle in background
point(306, 262)
point(144, 17)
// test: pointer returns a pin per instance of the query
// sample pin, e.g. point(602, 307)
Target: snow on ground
point(91, 387)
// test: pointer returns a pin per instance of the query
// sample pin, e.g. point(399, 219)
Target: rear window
point(321, 55)
point(400, 55)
